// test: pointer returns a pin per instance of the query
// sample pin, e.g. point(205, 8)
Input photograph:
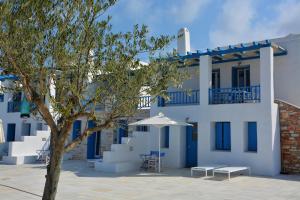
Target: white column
point(205, 78)
point(266, 75)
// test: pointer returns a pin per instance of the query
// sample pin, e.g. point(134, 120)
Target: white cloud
point(186, 11)
point(138, 8)
point(179, 11)
point(240, 21)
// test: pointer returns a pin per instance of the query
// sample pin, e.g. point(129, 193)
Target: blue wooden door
point(122, 131)
point(91, 142)
point(11, 131)
point(191, 145)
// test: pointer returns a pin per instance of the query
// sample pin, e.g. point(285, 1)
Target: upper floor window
point(17, 97)
point(241, 76)
point(142, 128)
point(76, 129)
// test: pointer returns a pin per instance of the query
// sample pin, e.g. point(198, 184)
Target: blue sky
point(211, 22)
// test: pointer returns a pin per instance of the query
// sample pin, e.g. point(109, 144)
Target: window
point(1, 97)
point(222, 136)
point(39, 126)
point(215, 78)
point(26, 129)
point(76, 129)
point(241, 76)
point(252, 136)
point(142, 128)
point(165, 137)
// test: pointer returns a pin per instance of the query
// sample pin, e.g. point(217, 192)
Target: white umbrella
point(159, 121)
point(2, 138)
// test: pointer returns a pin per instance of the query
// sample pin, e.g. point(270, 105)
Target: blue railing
point(13, 106)
point(249, 94)
point(145, 102)
point(180, 98)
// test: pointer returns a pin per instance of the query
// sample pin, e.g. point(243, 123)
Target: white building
point(23, 136)
point(231, 102)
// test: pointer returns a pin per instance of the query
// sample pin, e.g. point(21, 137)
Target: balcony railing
point(180, 98)
point(13, 106)
point(249, 94)
point(145, 102)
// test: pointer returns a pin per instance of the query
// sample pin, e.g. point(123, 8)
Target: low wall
point(290, 137)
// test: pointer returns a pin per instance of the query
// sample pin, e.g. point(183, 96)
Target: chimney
point(183, 42)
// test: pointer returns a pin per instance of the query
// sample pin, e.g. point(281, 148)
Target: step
point(19, 160)
point(118, 156)
point(120, 147)
point(91, 162)
point(117, 167)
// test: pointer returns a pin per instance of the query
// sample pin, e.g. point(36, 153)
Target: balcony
point(145, 102)
point(249, 94)
point(180, 98)
point(13, 106)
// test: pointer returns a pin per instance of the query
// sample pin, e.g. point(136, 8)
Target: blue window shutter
point(76, 129)
point(234, 77)
point(219, 136)
point(91, 142)
point(252, 136)
point(167, 136)
point(226, 136)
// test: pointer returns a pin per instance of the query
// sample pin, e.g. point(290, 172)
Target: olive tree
point(65, 51)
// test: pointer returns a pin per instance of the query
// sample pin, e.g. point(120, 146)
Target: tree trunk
point(53, 172)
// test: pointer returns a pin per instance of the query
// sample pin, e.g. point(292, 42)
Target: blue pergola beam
point(8, 77)
point(242, 49)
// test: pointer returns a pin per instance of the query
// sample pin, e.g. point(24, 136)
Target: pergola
point(239, 52)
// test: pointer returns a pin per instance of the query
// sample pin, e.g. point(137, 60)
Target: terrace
point(228, 75)
point(142, 185)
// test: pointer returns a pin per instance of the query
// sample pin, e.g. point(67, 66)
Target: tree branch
point(87, 132)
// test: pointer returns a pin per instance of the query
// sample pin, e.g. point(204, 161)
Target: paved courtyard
point(78, 181)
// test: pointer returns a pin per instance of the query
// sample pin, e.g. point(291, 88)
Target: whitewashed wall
point(287, 70)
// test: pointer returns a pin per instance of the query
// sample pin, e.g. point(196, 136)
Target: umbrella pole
point(159, 150)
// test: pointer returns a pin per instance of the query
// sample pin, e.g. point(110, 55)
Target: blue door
point(122, 131)
point(191, 145)
point(91, 142)
point(76, 129)
point(11, 131)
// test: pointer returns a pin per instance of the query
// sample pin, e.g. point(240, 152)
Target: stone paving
point(78, 181)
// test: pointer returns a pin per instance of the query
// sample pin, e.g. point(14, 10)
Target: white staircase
point(25, 151)
point(123, 157)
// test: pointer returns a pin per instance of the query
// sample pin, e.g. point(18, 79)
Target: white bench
point(229, 170)
point(205, 168)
